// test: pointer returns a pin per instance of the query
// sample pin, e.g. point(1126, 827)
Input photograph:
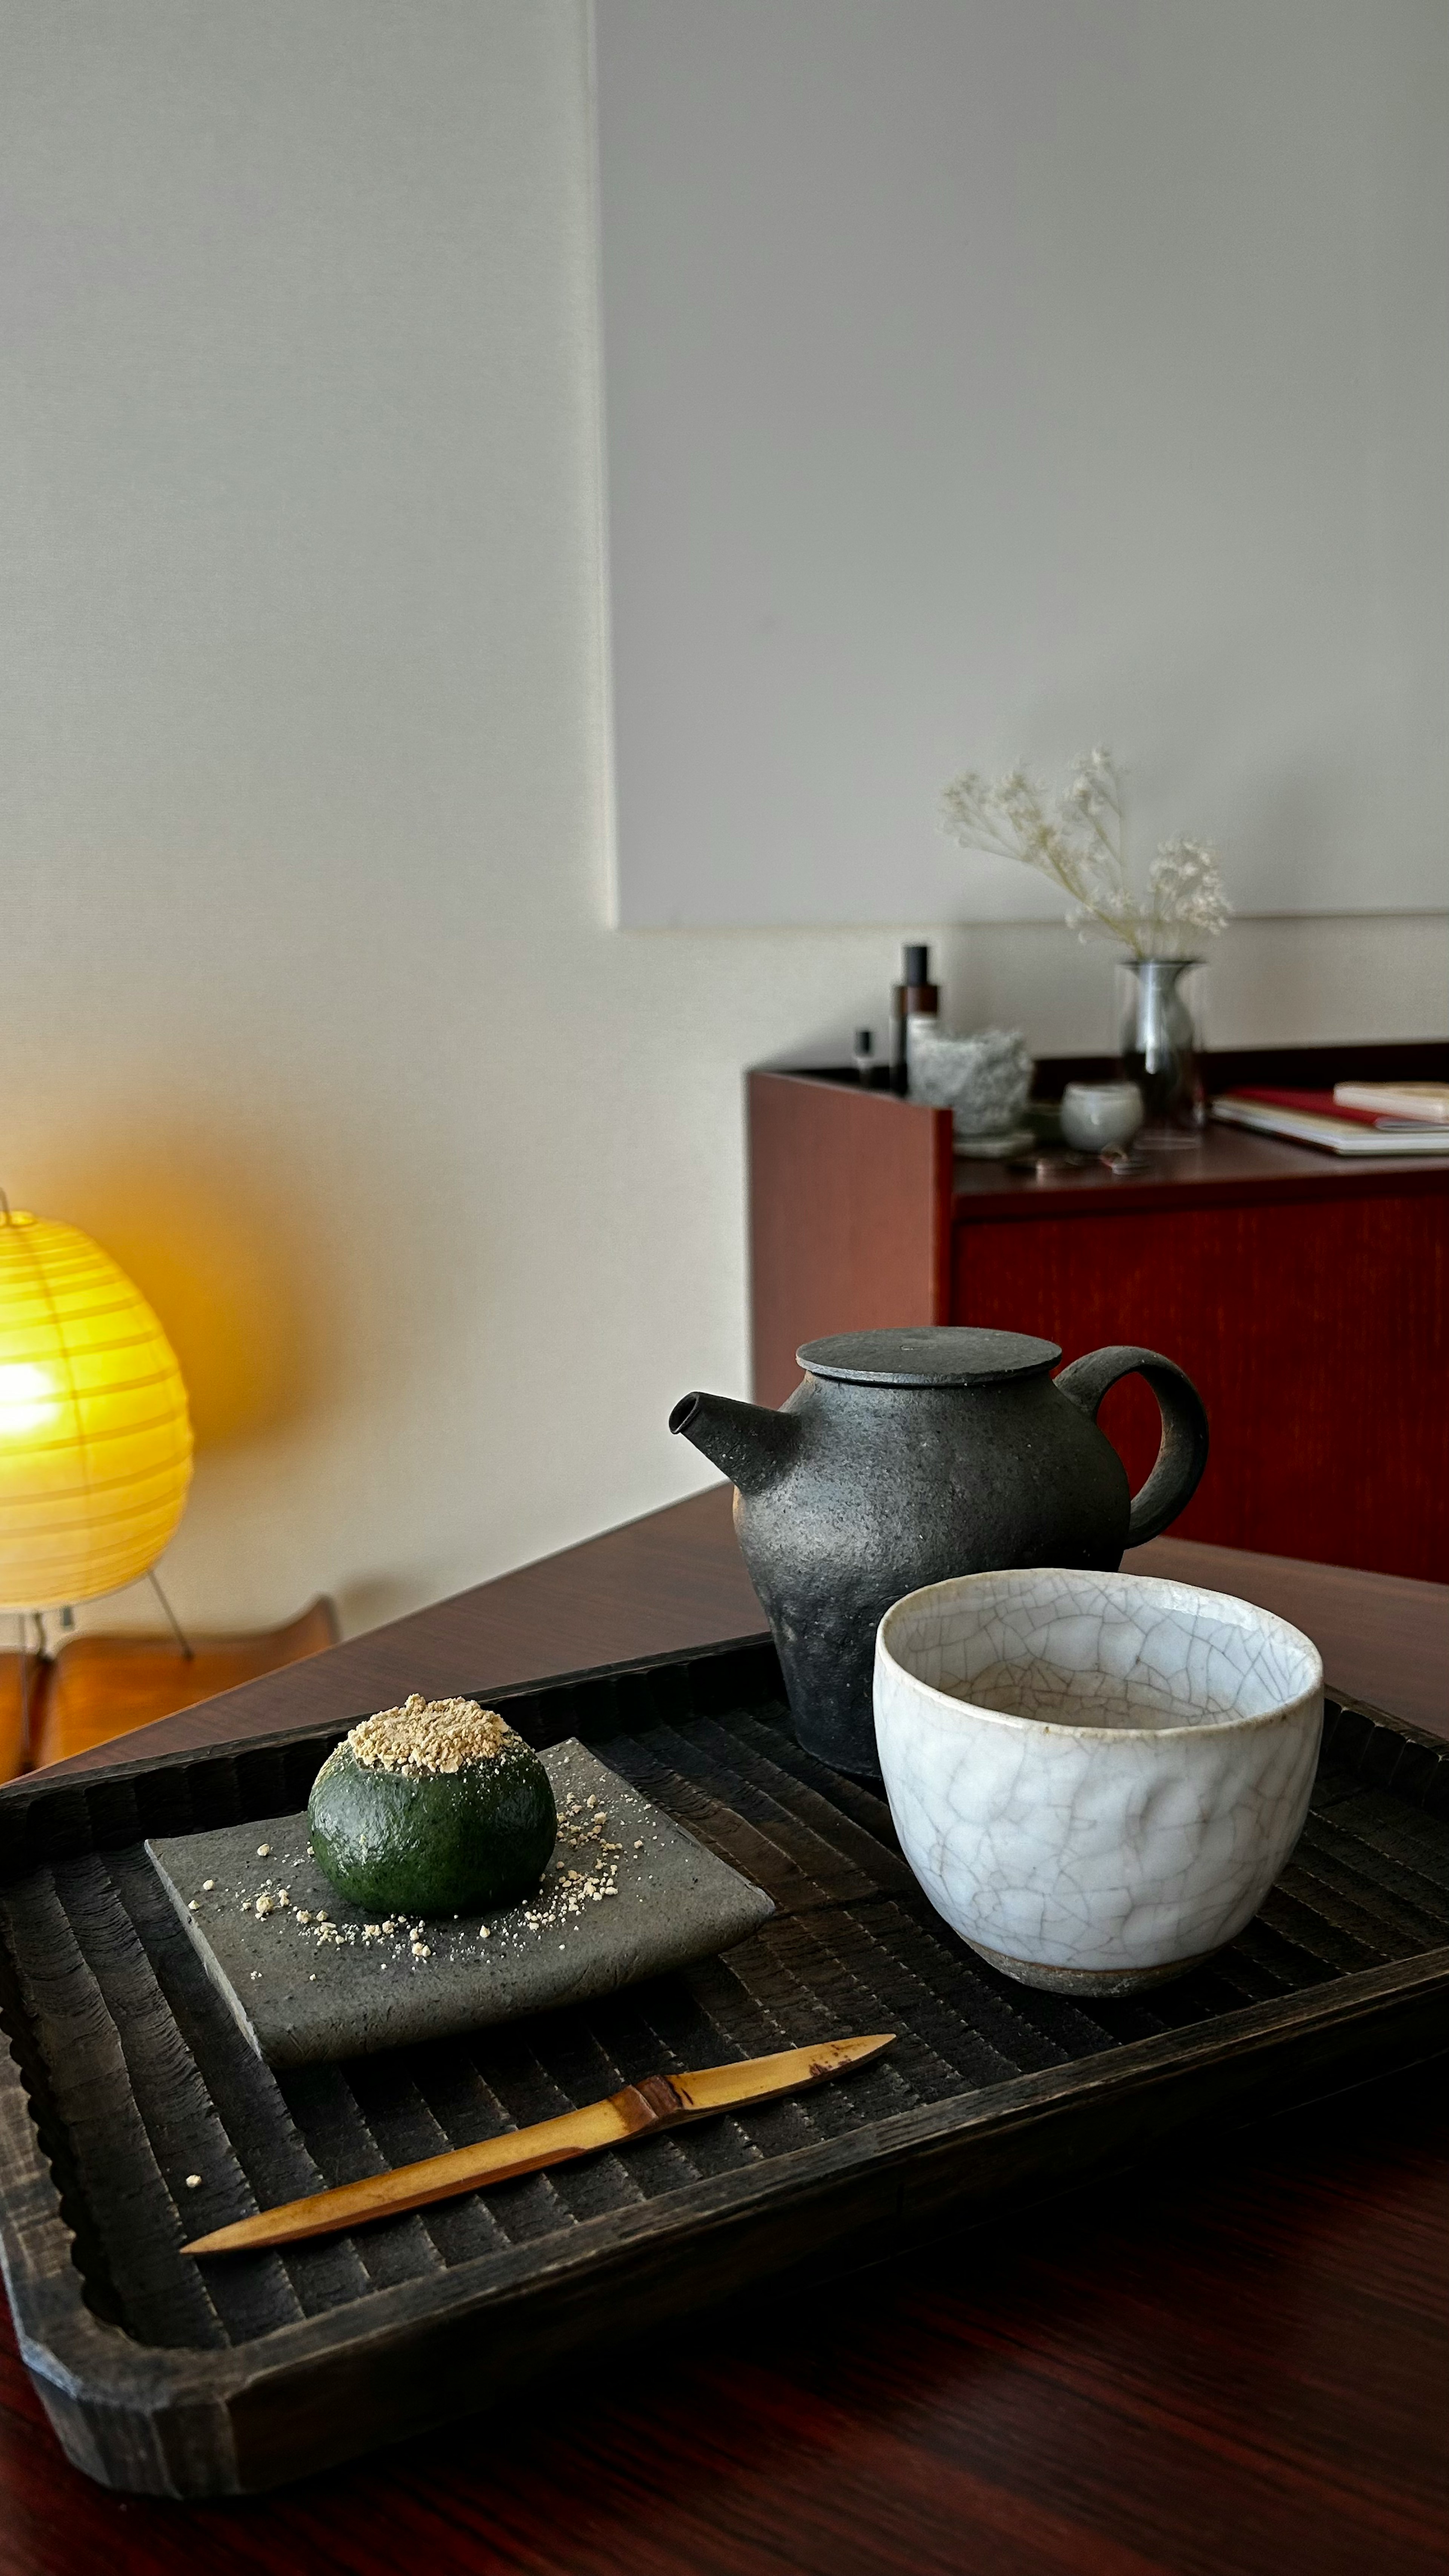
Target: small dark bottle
point(863, 1056)
point(915, 998)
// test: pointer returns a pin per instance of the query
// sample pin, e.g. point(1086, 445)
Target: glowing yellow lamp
point(95, 1439)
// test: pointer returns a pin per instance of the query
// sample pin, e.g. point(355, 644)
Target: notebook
point(1318, 1118)
point(1420, 1103)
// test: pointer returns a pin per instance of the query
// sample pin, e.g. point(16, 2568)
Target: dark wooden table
point(1233, 2368)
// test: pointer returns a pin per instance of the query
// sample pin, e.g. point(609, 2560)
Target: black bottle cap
point(864, 1042)
point(918, 965)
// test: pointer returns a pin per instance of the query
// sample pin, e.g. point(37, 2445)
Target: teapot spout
point(747, 1442)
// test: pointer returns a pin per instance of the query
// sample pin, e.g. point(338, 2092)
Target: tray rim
point(36, 1788)
point(162, 2417)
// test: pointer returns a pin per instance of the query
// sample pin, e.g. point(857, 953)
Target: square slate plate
point(304, 1992)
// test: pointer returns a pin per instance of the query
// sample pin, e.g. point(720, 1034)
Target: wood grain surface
point(1238, 2371)
point(850, 1217)
point(672, 1580)
point(1235, 2370)
point(17, 1711)
point(1322, 1443)
point(98, 1686)
point(1226, 1166)
point(676, 1579)
point(1308, 1298)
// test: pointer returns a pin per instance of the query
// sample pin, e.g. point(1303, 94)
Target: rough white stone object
point(1095, 1777)
point(1098, 1114)
point(982, 1080)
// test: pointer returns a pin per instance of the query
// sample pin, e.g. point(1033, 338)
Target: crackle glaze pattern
point(1095, 1777)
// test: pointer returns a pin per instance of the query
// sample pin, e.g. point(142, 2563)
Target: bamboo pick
point(659, 2102)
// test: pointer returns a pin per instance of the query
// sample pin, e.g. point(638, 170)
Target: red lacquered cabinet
point(1305, 1297)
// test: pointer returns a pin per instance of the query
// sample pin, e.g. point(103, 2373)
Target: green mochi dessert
point(437, 1807)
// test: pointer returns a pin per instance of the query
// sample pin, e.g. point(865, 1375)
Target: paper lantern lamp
point(95, 1439)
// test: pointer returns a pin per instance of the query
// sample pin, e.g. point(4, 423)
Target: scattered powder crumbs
point(430, 1735)
point(195, 1906)
point(193, 2182)
point(581, 1838)
point(443, 1735)
point(207, 1885)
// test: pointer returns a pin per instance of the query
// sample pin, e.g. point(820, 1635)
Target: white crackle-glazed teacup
point(1095, 1777)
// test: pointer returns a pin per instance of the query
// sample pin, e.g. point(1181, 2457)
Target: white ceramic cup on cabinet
point(1096, 1115)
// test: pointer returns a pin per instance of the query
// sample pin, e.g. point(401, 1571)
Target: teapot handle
point(1183, 1453)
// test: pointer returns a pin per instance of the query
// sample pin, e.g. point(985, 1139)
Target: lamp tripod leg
point(178, 1632)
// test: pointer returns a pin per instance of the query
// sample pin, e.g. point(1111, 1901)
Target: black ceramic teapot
point(909, 1456)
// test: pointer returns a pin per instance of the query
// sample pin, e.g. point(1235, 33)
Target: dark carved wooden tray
point(126, 2072)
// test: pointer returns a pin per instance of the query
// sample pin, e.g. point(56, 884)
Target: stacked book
point(1352, 1118)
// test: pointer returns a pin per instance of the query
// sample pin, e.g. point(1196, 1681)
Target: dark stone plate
point(628, 1894)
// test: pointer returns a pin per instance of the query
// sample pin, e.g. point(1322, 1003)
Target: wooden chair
point(99, 1687)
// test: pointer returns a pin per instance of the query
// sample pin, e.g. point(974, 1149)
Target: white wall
point(310, 1010)
point(999, 377)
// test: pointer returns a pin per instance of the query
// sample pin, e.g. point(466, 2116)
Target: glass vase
point(1159, 1049)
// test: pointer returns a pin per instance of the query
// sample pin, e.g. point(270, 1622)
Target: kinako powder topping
point(431, 1735)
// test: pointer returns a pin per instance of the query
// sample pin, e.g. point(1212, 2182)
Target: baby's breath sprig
point(1080, 843)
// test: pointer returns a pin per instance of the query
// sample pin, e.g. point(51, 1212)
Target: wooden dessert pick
point(659, 2102)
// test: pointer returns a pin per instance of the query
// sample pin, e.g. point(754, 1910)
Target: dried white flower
point(1080, 843)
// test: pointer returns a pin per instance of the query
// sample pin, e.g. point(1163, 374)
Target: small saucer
point(993, 1149)
point(1169, 1140)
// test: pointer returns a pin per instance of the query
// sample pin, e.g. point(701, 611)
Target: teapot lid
point(929, 1355)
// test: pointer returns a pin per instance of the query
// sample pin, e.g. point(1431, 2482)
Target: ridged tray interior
point(138, 2077)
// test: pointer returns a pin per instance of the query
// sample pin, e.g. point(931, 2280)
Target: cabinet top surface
point(1222, 1165)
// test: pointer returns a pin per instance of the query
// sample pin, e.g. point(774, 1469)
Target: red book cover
point(1320, 1104)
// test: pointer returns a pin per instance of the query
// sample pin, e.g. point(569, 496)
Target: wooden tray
point(126, 2073)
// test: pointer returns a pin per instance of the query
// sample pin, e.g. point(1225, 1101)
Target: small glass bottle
point(914, 1000)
